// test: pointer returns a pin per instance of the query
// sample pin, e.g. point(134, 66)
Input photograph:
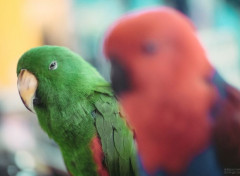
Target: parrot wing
point(227, 126)
point(104, 88)
point(116, 138)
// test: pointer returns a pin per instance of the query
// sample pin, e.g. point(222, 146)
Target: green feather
point(76, 104)
point(117, 136)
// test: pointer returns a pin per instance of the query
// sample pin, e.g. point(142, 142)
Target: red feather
point(98, 157)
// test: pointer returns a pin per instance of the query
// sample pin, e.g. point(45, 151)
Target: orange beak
point(27, 85)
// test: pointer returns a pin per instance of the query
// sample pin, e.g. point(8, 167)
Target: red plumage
point(171, 95)
point(98, 156)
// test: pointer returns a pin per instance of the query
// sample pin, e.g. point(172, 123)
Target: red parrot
point(186, 118)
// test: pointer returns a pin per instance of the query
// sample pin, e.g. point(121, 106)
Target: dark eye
point(53, 65)
point(149, 47)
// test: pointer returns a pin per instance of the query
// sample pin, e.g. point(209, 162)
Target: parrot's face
point(151, 48)
point(43, 70)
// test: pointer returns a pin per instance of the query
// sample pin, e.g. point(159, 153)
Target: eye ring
point(53, 65)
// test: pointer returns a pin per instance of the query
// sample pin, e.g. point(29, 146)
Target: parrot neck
point(73, 130)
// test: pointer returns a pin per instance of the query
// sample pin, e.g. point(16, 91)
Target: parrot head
point(49, 75)
point(149, 46)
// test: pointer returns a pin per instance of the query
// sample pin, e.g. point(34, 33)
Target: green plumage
point(74, 104)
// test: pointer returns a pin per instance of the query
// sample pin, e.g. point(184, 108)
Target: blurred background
point(80, 25)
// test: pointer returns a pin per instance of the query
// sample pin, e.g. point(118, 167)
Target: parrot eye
point(53, 65)
point(149, 48)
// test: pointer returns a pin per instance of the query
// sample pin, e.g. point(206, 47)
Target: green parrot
point(76, 107)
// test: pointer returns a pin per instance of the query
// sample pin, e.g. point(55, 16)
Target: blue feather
point(205, 164)
point(220, 85)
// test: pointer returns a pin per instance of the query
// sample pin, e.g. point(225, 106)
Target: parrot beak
point(27, 85)
point(119, 78)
